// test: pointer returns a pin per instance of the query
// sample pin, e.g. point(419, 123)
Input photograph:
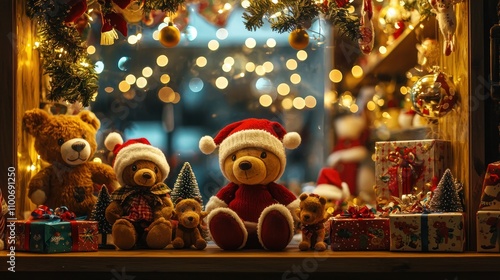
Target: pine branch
point(422, 6)
point(288, 15)
point(348, 23)
point(64, 57)
point(168, 6)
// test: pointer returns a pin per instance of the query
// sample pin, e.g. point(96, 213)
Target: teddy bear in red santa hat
point(330, 186)
point(252, 211)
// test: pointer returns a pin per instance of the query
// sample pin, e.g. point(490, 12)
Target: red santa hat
point(133, 150)
point(260, 133)
point(330, 186)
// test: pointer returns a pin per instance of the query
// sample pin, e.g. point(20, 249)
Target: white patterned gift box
point(434, 232)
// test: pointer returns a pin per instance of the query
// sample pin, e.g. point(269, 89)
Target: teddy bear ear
point(303, 196)
point(322, 200)
point(179, 199)
point(34, 119)
point(90, 118)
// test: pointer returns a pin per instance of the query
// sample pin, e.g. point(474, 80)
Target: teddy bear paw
point(200, 244)
point(275, 227)
point(178, 243)
point(304, 245)
point(159, 236)
point(38, 197)
point(124, 234)
point(227, 229)
point(320, 246)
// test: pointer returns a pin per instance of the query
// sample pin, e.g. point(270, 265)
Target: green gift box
point(55, 236)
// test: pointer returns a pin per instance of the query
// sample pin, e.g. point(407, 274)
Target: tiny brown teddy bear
point(141, 209)
point(68, 144)
point(312, 215)
point(189, 214)
point(252, 211)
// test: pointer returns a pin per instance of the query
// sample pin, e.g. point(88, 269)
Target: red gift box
point(358, 230)
point(405, 167)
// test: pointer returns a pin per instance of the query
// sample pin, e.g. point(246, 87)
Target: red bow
point(43, 212)
point(356, 212)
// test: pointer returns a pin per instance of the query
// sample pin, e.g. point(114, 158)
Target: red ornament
point(366, 27)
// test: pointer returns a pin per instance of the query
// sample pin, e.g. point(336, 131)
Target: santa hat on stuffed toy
point(133, 150)
point(254, 133)
point(330, 186)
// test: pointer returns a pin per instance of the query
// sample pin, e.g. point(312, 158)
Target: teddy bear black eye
point(134, 167)
point(193, 209)
point(156, 169)
point(233, 157)
point(83, 136)
point(263, 155)
point(60, 141)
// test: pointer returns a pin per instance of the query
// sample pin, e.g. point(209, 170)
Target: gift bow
point(356, 212)
point(404, 157)
point(43, 212)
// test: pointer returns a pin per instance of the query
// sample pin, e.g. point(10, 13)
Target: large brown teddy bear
point(141, 208)
point(67, 143)
point(252, 211)
point(312, 216)
point(189, 215)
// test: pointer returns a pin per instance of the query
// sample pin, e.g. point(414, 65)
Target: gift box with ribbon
point(407, 167)
point(59, 231)
point(488, 231)
point(434, 232)
point(357, 229)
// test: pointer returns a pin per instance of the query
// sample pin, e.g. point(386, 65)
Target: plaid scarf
point(309, 230)
point(153, 195)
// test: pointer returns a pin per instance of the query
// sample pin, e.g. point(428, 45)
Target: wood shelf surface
point(213, 259)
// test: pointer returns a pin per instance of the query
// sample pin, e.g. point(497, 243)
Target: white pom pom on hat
point(113, 139)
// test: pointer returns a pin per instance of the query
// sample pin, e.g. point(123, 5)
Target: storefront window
point(217, 74)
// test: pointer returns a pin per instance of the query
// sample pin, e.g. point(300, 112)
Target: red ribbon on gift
point(45, 213)
point(356, 212)
point(407, 169)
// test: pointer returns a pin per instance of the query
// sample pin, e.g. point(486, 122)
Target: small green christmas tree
point(99, 214)
point(186, 185)
point(446, 197)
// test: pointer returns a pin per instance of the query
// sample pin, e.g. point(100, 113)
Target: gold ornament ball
point(169, 36)
point(298, 39)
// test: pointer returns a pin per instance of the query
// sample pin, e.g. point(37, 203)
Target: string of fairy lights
point(167, 94)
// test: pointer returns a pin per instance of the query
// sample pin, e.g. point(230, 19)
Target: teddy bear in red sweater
point(252, 211)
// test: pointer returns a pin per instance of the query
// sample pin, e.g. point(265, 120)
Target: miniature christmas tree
point(446, 197)
point(186, 185)
point(99, 214)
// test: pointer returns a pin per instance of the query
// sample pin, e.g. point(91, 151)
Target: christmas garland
point(72, 74)
point(64, 56)
point(288, 15)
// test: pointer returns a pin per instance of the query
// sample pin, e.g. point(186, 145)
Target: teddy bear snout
point(306, 217)
point(78, 146)
point(245, 165)
point(76, 151)
point(145, 177)
point(190, 221)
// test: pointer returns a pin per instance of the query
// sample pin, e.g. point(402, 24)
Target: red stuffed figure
point(252, 211)
point(349, 149)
